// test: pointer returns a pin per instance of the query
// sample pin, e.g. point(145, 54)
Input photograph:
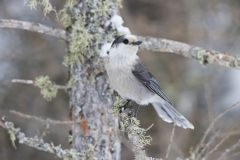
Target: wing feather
point(146, 78)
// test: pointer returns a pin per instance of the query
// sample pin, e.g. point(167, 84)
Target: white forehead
point(123, 49)
point(131, 38)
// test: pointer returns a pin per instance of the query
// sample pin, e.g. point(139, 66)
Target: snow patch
point(117, 22)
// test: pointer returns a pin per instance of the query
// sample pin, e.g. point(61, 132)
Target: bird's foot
point(130, 108)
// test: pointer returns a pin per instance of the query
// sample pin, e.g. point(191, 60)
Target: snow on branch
point(202, 55)
point(34, 27)
point(37, 142)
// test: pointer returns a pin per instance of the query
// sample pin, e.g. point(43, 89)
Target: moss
point(48, 89)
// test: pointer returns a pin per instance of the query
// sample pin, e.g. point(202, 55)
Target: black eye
point(125, 41)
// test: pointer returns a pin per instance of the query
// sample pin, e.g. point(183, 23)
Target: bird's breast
point(125, 83)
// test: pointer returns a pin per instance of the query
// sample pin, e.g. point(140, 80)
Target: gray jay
point(132, 80)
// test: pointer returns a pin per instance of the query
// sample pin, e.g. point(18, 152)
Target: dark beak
point(137, 43)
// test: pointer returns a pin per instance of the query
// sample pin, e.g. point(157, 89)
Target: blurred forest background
point(200, 93)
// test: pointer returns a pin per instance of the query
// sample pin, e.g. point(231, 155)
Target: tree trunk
point(95, 129)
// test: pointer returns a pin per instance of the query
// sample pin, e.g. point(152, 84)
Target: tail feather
point(169, 114)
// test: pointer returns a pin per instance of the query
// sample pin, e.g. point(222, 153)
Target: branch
point(149, 43)
point(31, 82)
point(37, 142)
point(34, 27)
point(202, 55)
point(47, 88)
point(41, 120)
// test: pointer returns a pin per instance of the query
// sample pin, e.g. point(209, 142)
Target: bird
point(131, 79)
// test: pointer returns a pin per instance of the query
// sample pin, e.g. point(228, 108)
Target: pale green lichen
point(84, 32)
point(65, 18)
point(80, 40)
point(90, 153)
point(31, 3)
point(47, 7)
point(64, 14)
point(104, 8)
point(13, 138)
point(48, 88)
point(71, 82)
point(118, 104)
point(131, 125)
point(203, 56)
point(44, 4)
point(119, 3)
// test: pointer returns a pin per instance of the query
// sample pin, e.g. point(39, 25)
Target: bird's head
point(126, 45)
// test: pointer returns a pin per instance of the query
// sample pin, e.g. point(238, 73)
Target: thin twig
point(223, 140)
point(212, 124)
point(2, 125)
point(229, 150)
point(233, 155)
point(41, 120)
point(170, 142)
point(22, 81)
point(30, 82)
point(217, 145)
point(204, 150)
point(202, 55)
point(34, 27)
point(149, 127)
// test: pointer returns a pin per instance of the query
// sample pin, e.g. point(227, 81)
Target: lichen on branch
point(44, 4)
point(131, 125)
point(64, 14)
point(16, 135)
point(48, 88)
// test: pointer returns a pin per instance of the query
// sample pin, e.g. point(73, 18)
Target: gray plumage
point(132, 80)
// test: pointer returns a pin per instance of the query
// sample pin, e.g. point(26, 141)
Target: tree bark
point(95, 128)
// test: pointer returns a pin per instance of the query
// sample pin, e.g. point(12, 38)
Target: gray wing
point(146, 78)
